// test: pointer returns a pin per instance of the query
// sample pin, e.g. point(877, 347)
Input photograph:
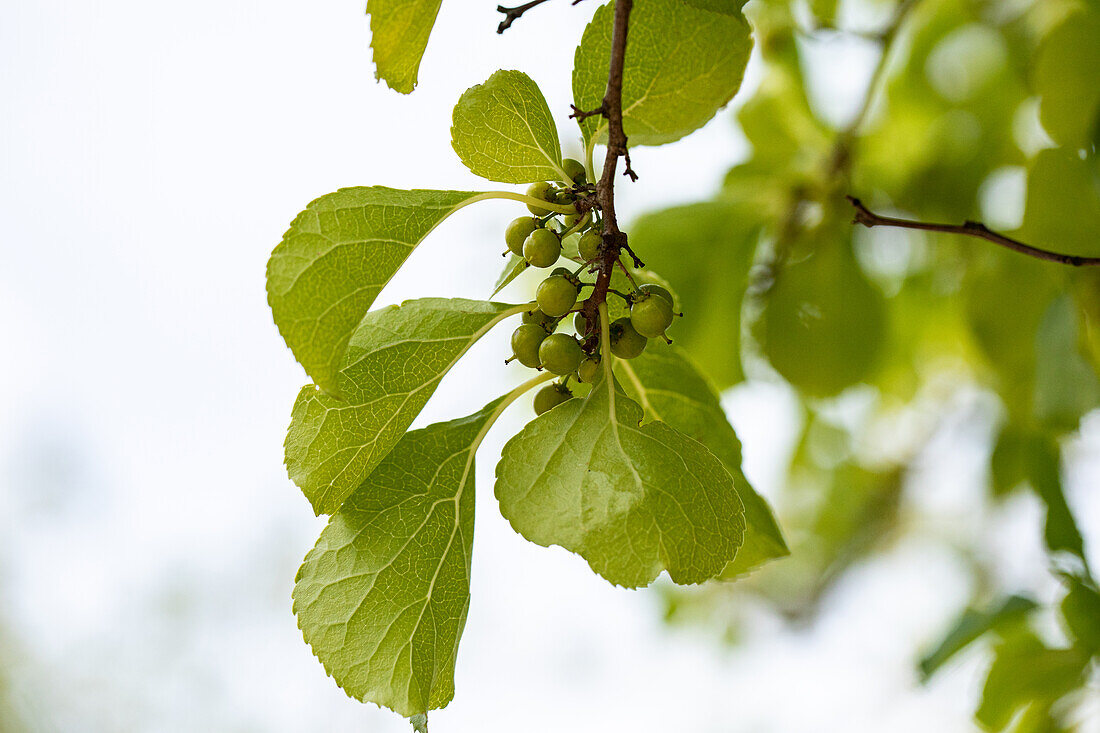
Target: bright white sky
point(151, 155)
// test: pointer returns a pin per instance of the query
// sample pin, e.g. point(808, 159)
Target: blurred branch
point(841, 158)
point(870, 219)
point(839, 162)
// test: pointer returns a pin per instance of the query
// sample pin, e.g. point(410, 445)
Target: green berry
point(574, 169)
point(589, 246)
point(539, 318)
point(589, 370)
point(651, 315)
point(626, 342)
point(560, 354)
point(653, 289)
point(570, 220)
point(526, 341)
point(541, 191)
point(564, 196)
point(518, 231)
point(556, 295)
point(542, 248)
point(550, 397)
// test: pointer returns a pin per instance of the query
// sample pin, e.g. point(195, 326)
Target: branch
point(511, 14)
point(614, 241)
point(870, 219)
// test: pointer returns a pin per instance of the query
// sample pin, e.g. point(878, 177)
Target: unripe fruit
point(654, 289)
point(574, 169)
point(560, 354)
point(651, 315)
point(539, 318)
point(542, 248)
point(541, 191)
point(564, 196)
point(626, 342)
point(556, 295)
point(570, 220)
point(526, 341)
point(550, 397)
point(589, 370)
point(589, 246)
point(518, 231)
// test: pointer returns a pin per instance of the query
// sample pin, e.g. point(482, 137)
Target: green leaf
point(825, 11)
point(682, 65)
point(393, 364)
point(513, 268)
point(335, 258)
point(382, 597)
point(1005, 302)
point(972, 624)
point(1067, 67)
point(1062, 213)
point(399, 35)
point(729, 7)
point(631, 499)
point(824, 324)
point(503, 130)
point(670, 389)
point(1060, 531)
point(1066, 387)
point(1081, 610)
point(707, 249)
point(1024, 672)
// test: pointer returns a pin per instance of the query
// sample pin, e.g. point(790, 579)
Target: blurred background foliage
point(977, 110)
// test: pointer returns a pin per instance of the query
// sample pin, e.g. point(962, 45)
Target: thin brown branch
point(580, 115)
point(614, 240)
point(512, 14)
point(869, 219)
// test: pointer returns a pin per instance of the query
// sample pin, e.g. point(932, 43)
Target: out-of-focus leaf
point(823, 324)
point(1063, 203)
point(1066, 71)
point(1044, 472)
point(1006, 298)
point(948, 111)
point(706, 250)
point(1025, 672)
point(972, 624)
point(1066, 387)
point(1081, 611)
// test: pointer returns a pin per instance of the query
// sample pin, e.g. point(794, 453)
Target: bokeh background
point(151, 155)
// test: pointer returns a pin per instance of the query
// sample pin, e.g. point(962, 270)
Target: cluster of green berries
point(536, 343)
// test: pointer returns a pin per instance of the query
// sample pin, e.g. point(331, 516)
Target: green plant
point(775, 248)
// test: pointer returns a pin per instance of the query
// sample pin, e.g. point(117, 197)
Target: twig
point(614, 240)
point(869, 219)
point(511, 14)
